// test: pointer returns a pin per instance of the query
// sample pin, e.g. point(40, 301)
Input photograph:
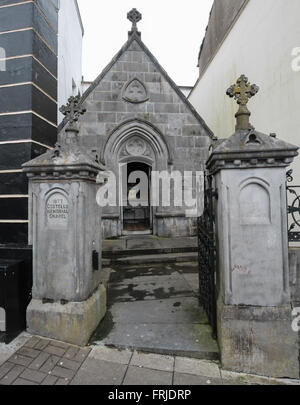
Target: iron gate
point(207, 255)
point(293, 209)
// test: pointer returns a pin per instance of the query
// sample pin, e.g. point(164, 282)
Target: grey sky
point(172, 29)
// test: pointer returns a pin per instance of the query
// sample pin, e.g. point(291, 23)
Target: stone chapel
point(137, 118)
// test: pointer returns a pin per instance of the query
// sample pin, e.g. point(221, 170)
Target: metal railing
point(293, 209)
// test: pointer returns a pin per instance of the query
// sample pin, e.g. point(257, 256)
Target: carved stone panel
point(135, 92)
point(136, 146)
point(255, 205)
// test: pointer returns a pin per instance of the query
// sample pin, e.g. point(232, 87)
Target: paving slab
point(179, 310)
point(49, 380)
point(33, 375)
point(119, 273)
point(20, 360)
point(6, 351)
point(145, 376)
point(230, 377)
point(149, 290)
point(69, 364)
point(5, 368)
point(112, 355)
point(188, 379)
point(39, 361)
point(181, 339)
point(49, 364)
point(12, 375)
point(147, 278)
point(21, 381)
point(193, 281)
point(99, 372)
point(62, 372)
point(197, 367)
point(153, 361)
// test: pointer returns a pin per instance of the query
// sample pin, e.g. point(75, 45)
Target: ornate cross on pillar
point(134, 16)
point(242, 91)
point(72, 111)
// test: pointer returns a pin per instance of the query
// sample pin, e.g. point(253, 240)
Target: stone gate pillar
point(253, 304)
point(68, 299)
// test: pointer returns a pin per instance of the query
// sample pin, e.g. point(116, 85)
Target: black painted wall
point(28, 108)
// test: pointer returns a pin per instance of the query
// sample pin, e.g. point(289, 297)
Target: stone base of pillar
point(72, 323)
point(258, 340)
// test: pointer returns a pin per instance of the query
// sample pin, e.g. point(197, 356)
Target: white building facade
point(260, 39)
point(70, 34)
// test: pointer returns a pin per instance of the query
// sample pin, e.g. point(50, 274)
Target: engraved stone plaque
point(57, 211)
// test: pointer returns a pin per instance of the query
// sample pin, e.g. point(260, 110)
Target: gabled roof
point(135, 36)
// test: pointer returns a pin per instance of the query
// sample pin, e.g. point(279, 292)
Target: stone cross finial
point(242, 91)
point(134, 16)
point(72, 111)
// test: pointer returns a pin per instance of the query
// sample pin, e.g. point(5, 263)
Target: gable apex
point(134, 41)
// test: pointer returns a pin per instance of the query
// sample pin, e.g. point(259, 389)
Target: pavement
point(155, 308)
point(154, 332)
point(33, 360)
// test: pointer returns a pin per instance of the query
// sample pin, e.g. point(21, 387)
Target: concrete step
point(201, 353)
point(152, 259)
point(108, 254)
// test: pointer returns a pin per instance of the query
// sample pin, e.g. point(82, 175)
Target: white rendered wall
point(69, 52)
point(260, 45)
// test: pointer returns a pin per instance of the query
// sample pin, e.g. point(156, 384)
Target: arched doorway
point(140, 147)
point(137, 212)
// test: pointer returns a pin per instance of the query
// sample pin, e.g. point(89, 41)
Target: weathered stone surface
point(134, 96)
point(294, 266)
point(100, 372)
point(254, 309)
point(173, 323)
point(252, 236)
point(65, 244)
point(111, 355)
point(73, 323)
point(153, 361)
point(197, 367)
point(258, 340)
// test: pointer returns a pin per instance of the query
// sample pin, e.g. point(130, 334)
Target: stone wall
point(294, 265)
point(176, 136)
